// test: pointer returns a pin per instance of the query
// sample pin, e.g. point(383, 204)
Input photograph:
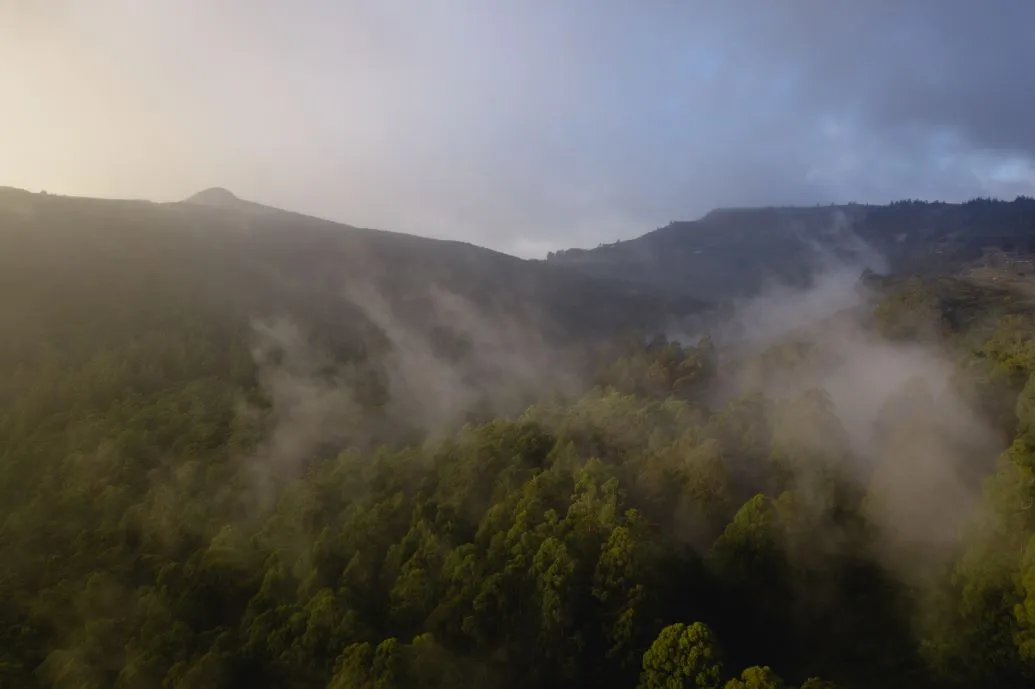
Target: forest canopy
point(196, 495)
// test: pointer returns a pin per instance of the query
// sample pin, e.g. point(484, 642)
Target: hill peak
point(214, 196)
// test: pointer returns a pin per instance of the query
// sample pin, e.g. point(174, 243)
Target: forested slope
point(217, 472)
point(735, 252)
point(79, 275)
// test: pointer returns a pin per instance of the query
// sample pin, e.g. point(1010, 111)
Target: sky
point(521, 125)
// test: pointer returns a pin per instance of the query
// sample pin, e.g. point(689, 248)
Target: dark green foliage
point(682, 657)
point(756, 678)
point(160, 527)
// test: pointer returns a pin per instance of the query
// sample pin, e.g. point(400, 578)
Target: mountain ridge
point(734, 253)
point(237, 254)
point(728, 253)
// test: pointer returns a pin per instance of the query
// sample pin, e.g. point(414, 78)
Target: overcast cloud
point(523, 125)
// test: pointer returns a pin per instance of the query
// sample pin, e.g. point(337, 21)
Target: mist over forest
point(246, 447)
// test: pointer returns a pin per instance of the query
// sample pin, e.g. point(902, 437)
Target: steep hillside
point(188, 499)
point(82, 278)
point(257, 255)
point(736, 252)
point(231, 456)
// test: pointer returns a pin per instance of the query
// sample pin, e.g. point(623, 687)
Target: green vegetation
point(190, 498)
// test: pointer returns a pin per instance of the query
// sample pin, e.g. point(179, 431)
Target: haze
point(520, 125)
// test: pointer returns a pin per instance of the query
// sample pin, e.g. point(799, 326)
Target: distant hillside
point(736, 252)
point(211, 241)
point(82, 278)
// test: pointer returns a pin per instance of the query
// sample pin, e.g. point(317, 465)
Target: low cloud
point(440, 363)
point(914, 442)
